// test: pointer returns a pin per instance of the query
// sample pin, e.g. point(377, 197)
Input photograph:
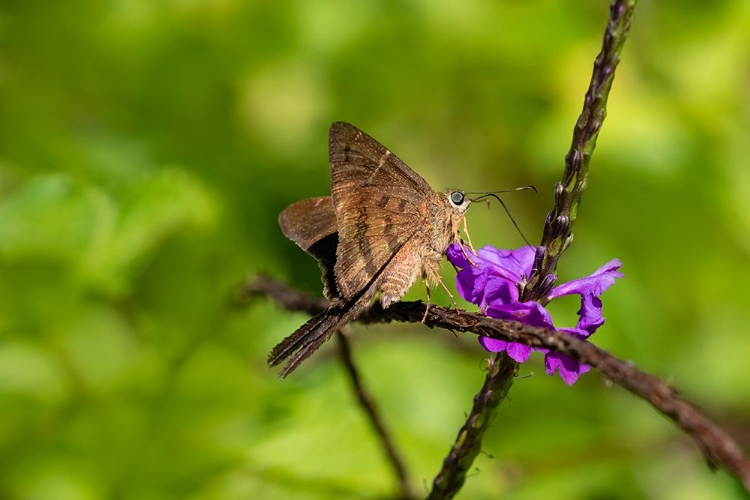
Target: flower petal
point(529, 313)
point(499, 291)
point(471, 284)
point(590, 288)
point(456, 256)
point(515, 262)
point(590, 314)
point(517, 352)
point(568, 368)
point(509, 264)
point(494, 276)
point(594, 285)
point(493, 345)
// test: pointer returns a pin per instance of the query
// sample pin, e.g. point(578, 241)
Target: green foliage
point(146, 149)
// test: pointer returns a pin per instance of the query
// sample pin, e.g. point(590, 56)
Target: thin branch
point(716, 445)
point(291, 299)
point(370, 409)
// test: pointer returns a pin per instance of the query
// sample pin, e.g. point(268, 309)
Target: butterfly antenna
point(485, 193)
point(492, 194)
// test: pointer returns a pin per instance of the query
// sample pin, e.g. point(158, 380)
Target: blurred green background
point(146, 148)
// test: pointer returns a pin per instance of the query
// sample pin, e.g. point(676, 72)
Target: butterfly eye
point(457, 198)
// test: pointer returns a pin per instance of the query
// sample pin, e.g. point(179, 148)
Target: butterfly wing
point(380, 205)
point(308, 221)
point(311, 224)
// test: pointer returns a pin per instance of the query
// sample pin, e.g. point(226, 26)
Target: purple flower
point(495, 282)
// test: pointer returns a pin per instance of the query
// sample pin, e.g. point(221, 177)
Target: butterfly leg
point(471, 247)
point(466, 231)
point(430, 276)
point(453, 299)
point(429, 301)
point(463, 250)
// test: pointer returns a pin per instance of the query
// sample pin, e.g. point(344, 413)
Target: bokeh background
point(146, 148)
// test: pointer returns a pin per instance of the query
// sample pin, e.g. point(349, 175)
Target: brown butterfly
point(382, 227)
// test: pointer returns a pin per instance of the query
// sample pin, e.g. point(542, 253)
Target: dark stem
point(370, 409)
point(558, 234)
point(717, 446)
point(468, 443)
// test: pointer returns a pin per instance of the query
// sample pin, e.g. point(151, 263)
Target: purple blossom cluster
point(495, 279)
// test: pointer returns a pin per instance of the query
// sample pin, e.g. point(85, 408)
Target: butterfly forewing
point(351, 149)
point(380, 205)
